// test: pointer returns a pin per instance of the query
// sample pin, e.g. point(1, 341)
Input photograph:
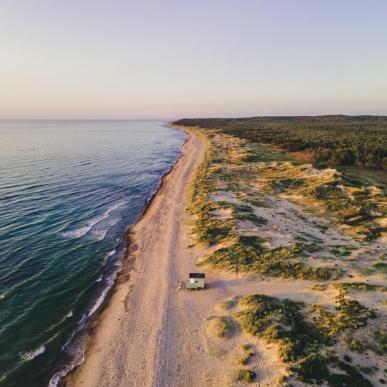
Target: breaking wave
point(28, 356)
point(99, 234)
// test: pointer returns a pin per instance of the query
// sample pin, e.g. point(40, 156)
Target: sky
point(197, 58)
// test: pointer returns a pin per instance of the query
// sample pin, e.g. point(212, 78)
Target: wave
point(77, 360)
point(28, 356)
point(109, 283)
point(75, 345)
point(109, 254)
point(99, 233)
point(77, 233)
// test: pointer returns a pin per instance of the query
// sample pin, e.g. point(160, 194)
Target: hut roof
point(197, 275)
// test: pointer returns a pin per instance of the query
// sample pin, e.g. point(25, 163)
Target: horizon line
point(170, 119)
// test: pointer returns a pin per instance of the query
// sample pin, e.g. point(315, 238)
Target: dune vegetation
point(307, 335)
point(257, 213)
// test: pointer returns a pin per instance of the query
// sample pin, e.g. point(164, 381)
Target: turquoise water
point(68, 191)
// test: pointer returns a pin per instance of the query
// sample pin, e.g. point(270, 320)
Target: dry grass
point(219, 326)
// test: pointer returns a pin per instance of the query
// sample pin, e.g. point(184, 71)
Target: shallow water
point(68, 191)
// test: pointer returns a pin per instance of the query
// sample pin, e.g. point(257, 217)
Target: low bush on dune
point(247, 354)
point(318, 369)
point(244, 376)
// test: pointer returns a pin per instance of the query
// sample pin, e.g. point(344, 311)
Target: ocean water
point(68, 191)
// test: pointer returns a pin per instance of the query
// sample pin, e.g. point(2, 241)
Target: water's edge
point(123, 264)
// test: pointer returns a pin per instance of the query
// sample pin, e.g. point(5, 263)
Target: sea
point(69, 190)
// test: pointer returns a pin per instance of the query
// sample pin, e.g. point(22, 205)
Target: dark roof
point(196, 275)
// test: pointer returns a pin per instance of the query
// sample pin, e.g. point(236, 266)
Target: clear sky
point(175, 58)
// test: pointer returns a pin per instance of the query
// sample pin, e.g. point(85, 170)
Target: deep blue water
point(68, 191)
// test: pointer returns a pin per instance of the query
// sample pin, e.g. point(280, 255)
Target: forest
point(333, 139)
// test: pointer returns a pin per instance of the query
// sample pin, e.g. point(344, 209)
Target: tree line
point(335, 139)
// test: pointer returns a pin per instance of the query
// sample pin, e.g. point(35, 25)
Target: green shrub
point(244, 376)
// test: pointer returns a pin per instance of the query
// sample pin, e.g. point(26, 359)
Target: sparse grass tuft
point(248, 353)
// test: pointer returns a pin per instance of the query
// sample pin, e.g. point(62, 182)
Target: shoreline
point(122, 275)
point(127, 276)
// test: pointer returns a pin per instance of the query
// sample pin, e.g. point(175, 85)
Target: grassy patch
point(349, 315)
point(359, 286)
point(248, 255)
point(304, 344)
point(282, 322)
point(314, 370)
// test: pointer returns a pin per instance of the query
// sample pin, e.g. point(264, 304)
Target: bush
point(244, 376)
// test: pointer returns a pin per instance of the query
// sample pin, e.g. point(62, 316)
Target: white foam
point(93, 222)
point(109, 254)
point(102, 296)
point(54, 381)
point(69, 314)
point(28, 356)
point(99, 234)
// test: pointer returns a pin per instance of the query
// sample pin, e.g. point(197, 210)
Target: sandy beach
point(129, 346)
